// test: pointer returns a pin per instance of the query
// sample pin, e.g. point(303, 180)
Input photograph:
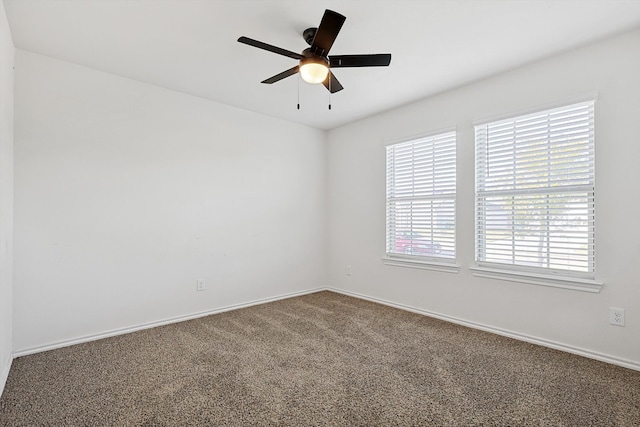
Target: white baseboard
point(4, 375)
point(121, 331)
point(503, 332)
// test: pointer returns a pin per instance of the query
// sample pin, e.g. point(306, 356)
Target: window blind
point(421, 197)
point(535, 190)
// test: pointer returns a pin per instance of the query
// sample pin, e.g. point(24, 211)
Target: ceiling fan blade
point(282, 75)
point(270, 48)
point(327, 32)
point(375, 60)
point(334, 85)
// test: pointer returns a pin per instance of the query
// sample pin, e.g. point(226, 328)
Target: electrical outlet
point(616, 316)
point(348, 270)
point(200, 285)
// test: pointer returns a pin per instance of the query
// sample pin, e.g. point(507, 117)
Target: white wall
point(7, 52)
point(126, 193)
point(574, 320)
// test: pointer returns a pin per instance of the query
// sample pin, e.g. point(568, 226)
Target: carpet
point(322, 359)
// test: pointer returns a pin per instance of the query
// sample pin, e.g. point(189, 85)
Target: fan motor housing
point(308, 54)
point(310, 57)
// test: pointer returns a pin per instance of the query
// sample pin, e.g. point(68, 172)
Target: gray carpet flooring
point(322, 359)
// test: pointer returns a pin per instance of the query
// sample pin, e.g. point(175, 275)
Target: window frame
point(428, 262)
point(562, 278)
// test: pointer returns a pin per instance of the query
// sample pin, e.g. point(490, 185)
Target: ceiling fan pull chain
point(298, 91)
point(329, 90)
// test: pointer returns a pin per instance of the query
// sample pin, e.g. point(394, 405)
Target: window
point(535, 192)
point(421, 199)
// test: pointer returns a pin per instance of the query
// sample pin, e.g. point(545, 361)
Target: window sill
point(421, 264)
point(563, 282)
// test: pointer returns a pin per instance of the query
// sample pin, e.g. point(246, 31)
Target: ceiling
point(191, 45)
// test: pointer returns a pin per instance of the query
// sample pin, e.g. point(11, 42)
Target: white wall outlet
point(200, 285)
point(348, 270)
point(616, 316)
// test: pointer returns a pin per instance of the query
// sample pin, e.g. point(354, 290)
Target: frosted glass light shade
point(313, 72)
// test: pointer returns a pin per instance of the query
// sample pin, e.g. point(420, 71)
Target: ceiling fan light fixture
point(314, 65)
point(314, 70)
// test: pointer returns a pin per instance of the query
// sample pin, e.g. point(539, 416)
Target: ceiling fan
point(315, 62)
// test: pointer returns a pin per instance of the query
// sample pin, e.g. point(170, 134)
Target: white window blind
point(421, 197)
point(535, 190)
